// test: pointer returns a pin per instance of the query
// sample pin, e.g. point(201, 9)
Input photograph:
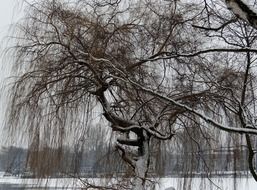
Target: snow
point(206, 184)
point(163, 184)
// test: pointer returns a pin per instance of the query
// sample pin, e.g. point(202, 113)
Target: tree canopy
point(151, 72)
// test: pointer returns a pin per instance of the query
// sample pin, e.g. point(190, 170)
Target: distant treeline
point(103, 161)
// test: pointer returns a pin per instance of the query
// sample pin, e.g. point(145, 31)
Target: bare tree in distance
point(147, 70)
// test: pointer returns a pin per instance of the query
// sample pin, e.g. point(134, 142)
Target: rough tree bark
point(243, 11)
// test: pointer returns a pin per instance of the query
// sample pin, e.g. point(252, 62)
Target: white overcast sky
point(10, 12)
point(7, 14)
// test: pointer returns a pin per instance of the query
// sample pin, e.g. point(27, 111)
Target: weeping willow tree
point(158, 75)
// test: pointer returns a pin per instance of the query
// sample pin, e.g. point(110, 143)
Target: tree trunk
point(142, 163)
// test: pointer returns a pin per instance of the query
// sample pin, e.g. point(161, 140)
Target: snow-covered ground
point(209, 184)
point(10, 182)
